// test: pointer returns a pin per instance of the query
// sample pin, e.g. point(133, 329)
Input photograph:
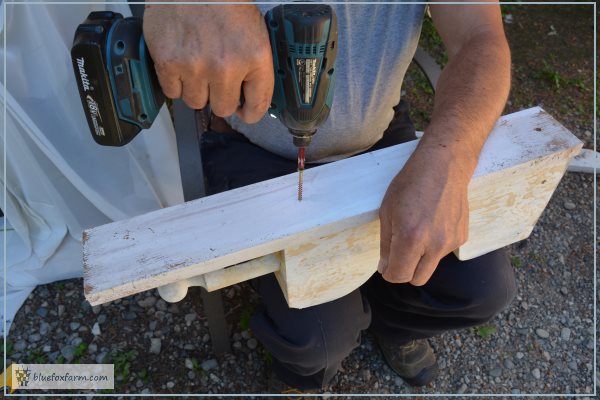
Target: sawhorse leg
point(188, 131)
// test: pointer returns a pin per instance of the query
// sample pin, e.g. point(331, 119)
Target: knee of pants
point(489, 285)
point(310, 340)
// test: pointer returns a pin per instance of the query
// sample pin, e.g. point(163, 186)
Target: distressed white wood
point(209, 234)
point(586, 161)
point(219, 279)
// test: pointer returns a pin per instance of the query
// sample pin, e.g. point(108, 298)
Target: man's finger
point(402, 261)
point(169, 80)
point(425, 268)
point(195, 93)
point(225, 96)
point(258, 92)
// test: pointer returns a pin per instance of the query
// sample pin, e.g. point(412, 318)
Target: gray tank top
point(376, 45)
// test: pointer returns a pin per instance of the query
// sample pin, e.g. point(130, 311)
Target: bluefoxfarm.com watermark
point(61, 376)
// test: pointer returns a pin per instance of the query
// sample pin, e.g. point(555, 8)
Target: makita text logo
point(84, 78)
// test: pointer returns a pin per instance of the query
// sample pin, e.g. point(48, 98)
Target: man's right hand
point(209, 54)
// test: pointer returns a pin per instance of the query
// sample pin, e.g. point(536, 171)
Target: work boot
point(414, 361)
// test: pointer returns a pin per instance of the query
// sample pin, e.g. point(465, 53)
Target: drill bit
point(300, 171)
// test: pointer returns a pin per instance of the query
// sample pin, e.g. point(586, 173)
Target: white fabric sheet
point(58, 180)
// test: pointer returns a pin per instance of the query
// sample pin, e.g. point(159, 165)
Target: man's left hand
point(424, 215)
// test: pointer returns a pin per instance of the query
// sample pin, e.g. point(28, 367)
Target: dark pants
point(308, 345)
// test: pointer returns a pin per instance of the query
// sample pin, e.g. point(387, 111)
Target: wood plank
point(586, 161)
point(214, 232)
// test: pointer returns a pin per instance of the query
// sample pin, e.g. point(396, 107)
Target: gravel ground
point(543, 343)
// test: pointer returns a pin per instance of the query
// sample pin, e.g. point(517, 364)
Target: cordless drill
point(121, 95)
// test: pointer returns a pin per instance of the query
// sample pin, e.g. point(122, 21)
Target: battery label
point(307, 77)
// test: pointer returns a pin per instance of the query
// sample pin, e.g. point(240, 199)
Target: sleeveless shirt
point(376, 45)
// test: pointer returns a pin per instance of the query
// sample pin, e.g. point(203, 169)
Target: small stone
point(42, 312)
point(564, 291)
point(170, 385)
point(146, 391)
point(147, 302)
point(236, 336)
point(155, 344)
point(189, 318)
point(542, 333)
point(207, 365)
point(546, 356)
point(101, 318)
point(44, 328)
point(246, 334)
point(100, 357)
point(74, 326)
point(92, 348)
point(60, 310)
point(206, 338)
point(46, 348)
point(587, 133)
point(569, 205)
point(96, 309)
point(496, 372)
point(189, 346)
point(96, 329)
point(252, 343)
point(462, 389)
point(573, 365)
point(161, 305)
point(520, 355)
point(129, 316)
point(68, 352)
point(536, 373)
point(188, 363)
point(191, 374)
point(589, 344)
point(76, 341)
point(35, 337)
point(20, 346)
point(515, 391)
point(508, 364)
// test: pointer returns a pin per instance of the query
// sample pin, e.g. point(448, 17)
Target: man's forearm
point(470, 96)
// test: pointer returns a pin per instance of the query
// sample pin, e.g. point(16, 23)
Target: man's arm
point(424, 214)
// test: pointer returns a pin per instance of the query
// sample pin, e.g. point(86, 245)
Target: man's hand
point(209, 54)
point(424, 216)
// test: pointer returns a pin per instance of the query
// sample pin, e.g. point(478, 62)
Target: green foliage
point(144, 375)
point(431, 41)
point(196, 367)
point(79, 352)
point(37, 356)
point(516, 262)
point(485, 331)
point(60, 359)
point(549, 74)
point(245, 319)
point(268, 358)
point(122, 362)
